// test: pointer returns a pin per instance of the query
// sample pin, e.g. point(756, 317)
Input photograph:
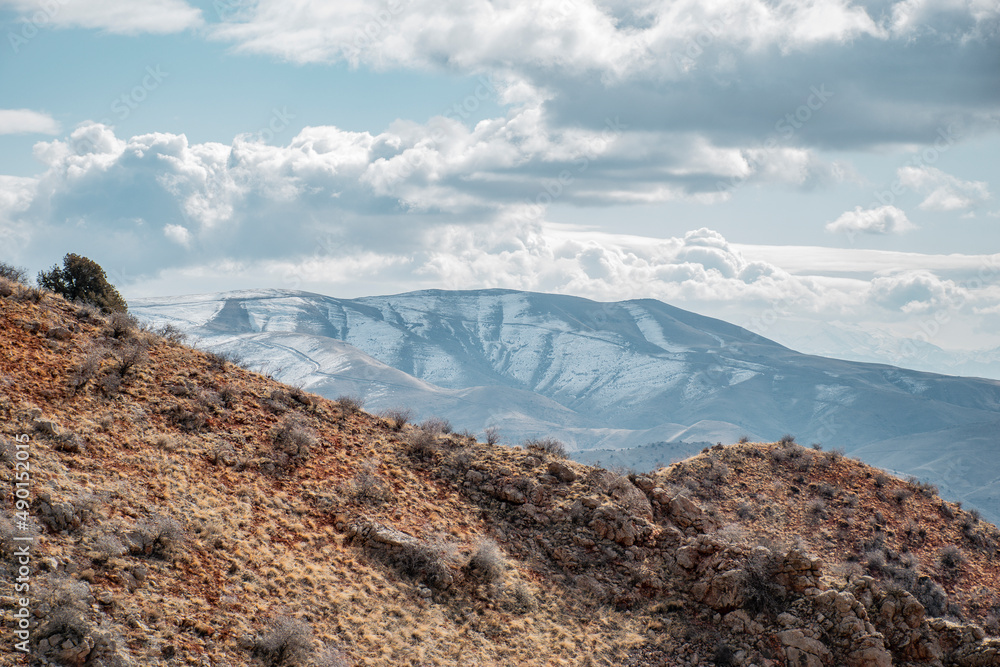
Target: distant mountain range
point(603, 376)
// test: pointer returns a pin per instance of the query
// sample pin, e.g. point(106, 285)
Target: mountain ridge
point(605, 375)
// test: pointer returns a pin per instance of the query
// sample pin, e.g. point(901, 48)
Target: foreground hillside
point(604, 376)
point(185, 511)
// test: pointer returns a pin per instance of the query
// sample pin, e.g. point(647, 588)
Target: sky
point(822, 172)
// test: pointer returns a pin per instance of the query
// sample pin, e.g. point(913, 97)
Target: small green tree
point(83, 279)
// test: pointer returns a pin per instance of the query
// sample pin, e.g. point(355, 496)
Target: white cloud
point(944, 191)
point(881, 220)
point(26, 121)
point(178, 234)
point(731, 71)
point(915, 292)
point(132, 17)
point(440, 205)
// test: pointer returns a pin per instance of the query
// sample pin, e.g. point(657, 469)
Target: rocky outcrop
point(415, 557)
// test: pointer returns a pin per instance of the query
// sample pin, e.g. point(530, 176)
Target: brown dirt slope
point(185, 511)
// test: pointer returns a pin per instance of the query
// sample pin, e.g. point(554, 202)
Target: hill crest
point(192, 512)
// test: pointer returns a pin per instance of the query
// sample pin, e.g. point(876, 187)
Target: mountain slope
point(595, 375)
point(185, 511)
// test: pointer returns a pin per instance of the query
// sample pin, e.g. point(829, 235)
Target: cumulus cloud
point(133, 17)
point(333, 183)
point(881, 220)
point(914, 292)
point(26, 121)
point(944, 191)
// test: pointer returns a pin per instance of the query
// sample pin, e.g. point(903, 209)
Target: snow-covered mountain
point(606, 376)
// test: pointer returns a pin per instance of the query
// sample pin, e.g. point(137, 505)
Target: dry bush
point(951, 559)
point(26, 294)
point(549, 446)
point(397, 417)
point(85, 372)
point(368, 488)
point(492, 435)
point(131, 355)
point(287, 643)
point(293, 442)
point(14, 274)
point(121, 325)
point(350, 404)
point(901, 495)
point(817, 510)
point(436, 425)
point(217, 361)
point(487, 564)
point(424, 444)
point(157, 536)
point(190, 419)
point(171, 334)
point(761, 593)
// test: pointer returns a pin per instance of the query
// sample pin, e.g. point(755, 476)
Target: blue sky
point(824, 173)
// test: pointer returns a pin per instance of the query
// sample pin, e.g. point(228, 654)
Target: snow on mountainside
point(596, 375)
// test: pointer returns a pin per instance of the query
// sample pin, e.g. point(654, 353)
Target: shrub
point(424, 444)
point(827, 490)
point(287, 643)
point(170, 334)
point(817, 509)
point(122, 325)
point(436, 425)
point(85, 371)
point(924, 488)
point(901, 495)
point(368, 488)
point(217, 361)
point(881, 480)
point(951, 558)
point(724, 656)
point(188, 419)
point(82, 279)
point(761, 593)
point(350, 403)
point(397, 417)
point(156, 536)
point(492, 435)
point(487, 563)
point(930, 594)
point(131, 355)
point(787, 439)
point(293, 442)
point(549, 446)
point(744, 439)
point(13, 273)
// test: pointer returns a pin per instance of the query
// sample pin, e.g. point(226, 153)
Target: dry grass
point(196, 547)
